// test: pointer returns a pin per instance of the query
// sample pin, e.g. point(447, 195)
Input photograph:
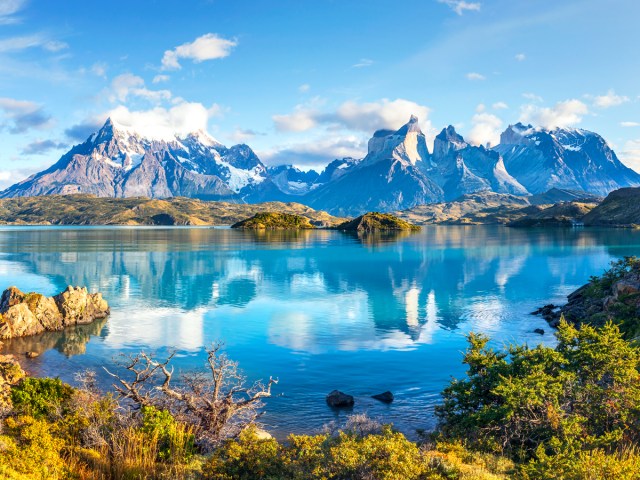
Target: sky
point(307, 81)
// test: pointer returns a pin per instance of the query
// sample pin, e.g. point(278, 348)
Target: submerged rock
point(337, 399)
point(385, 397)
point(25, 314)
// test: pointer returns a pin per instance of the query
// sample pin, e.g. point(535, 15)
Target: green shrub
point(40, 396)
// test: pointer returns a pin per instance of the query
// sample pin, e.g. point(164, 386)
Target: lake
point(320, 310)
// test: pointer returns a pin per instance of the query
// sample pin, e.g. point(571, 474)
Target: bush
point(40, 396)
point(547, 405)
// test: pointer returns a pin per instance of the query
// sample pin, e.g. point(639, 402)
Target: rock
point(337, 399)
point(261, 434)
point(32, 354)
point(30, 314)
point(539, 331)
point(80, 307)
point(385, 397)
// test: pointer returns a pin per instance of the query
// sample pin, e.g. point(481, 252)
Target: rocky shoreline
point(26, 314)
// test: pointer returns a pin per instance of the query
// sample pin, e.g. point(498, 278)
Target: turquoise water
point(319, 310)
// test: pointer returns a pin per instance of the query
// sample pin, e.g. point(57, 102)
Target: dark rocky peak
point(447, 141)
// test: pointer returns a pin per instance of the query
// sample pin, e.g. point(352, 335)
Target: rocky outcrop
point(25, 314)
point(613, 296)
point(375, 221)
point(337, 399)
point(274, 221)
point(384, 397)
point(565, 214)
point(621, 208)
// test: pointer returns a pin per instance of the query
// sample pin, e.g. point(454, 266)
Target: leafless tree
point(217, 402)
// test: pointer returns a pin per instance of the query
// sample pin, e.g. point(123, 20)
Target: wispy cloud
point(8, 10)
point(22, 115)
point(475, 76)
point(609, 99)
point(305, 87)
point(532, 97)
point(241, 135)
point(630, 124)
point(363, 62)
point(207, 47)
point(460, 6)
point(16, 44)
point(500, 106)
point(521, 57)
point(128, 85)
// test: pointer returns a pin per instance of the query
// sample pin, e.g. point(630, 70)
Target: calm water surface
point(320, 310)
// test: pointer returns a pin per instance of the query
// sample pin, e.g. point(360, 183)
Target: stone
point(385, 397)
point(32, 354)
point(10, 374)
point(32, 313)
point(337, 399)
point(539, 331)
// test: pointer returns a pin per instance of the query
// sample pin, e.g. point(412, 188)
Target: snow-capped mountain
point(116, 161)
point(563, 158)
point(459, 168)
point(398, 171)
point(391, 176)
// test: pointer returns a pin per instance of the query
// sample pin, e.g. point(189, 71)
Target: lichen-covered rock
point(30, 314)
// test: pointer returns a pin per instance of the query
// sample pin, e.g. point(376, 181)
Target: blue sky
point(306, 81)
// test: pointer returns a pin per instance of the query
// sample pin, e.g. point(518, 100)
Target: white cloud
point(128, 85)
point(299, 121)
point(459, 6)
point(22, 115)
point(364, 117)
point(562, 114)
point(8, 9)
point(500, 106)
point(16, 44)
point(99, 69)
point(475, 76)
point(532, 97)
point(520, 57)
point(630, 124)
point(207, 47)
point(608, 100)
point(160, 78)
point(485, 129)
point(316, 152)
point(305, 87)
point(164, 123)
point(363, 62)
point(630, 154)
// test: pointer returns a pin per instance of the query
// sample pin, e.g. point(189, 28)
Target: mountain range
point(398, 171)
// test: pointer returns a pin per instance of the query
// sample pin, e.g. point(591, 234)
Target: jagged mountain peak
point(407, 144)
point(447, 141)
point(412, 126)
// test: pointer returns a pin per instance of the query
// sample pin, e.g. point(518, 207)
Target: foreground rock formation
point(10, 374)
point(24, 314)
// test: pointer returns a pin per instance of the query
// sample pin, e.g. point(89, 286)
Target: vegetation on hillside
point(91, 210)
point(376, 222)
point(274, 221)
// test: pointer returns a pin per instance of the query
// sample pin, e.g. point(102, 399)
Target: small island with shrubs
point(377, 222)
point(274, 221)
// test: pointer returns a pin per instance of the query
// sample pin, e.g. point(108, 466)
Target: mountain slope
point(563, 158)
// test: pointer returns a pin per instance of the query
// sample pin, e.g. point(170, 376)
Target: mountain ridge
point(398, 172)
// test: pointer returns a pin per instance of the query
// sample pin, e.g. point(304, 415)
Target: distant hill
point(91, 210)
point(620, 208)
point(377, 222)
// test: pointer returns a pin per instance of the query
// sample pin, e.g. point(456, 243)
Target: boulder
point(79, 307)
point(539, 331)
point(30, 314)
point(385, 397)
point(337, 399)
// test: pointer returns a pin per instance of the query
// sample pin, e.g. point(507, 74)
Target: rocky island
point(25, 314)
point(377, 222)
point(274, 221)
